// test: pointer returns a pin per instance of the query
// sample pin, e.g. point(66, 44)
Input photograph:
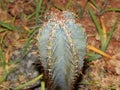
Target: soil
point(100, 74)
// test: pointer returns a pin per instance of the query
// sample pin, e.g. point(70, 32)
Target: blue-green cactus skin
point(62, 46)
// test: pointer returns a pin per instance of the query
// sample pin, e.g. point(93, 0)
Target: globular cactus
point(62, 46)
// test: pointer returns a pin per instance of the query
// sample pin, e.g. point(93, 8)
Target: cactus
point(62, 47)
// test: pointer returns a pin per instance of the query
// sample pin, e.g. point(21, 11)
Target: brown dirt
point(102, 74)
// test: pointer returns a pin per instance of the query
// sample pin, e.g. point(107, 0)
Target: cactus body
point(62, 46)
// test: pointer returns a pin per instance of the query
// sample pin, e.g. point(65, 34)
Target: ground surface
point(19, 23)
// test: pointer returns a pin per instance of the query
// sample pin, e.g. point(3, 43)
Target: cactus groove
point(62, 47)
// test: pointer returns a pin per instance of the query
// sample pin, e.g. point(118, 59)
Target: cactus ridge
point(62, 46)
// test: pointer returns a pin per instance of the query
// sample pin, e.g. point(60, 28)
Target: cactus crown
point(62, 46)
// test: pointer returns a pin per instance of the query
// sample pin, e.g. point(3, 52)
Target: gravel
point(26, 69)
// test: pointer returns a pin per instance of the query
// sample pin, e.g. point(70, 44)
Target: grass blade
point(8, 26)
point(28, 42)
point(3, 30)
point(20, 87)
point(93, 56)
point(42, 85)
point(103, 7)
point(3, 64)
point(110, 35)
point(82, 9)
point(94, 3)
point(2, 58)
point(110, 10)
point(97, 25)
point(113, 9)
point(38, 7)
point(68, 4)
point(103, 29)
